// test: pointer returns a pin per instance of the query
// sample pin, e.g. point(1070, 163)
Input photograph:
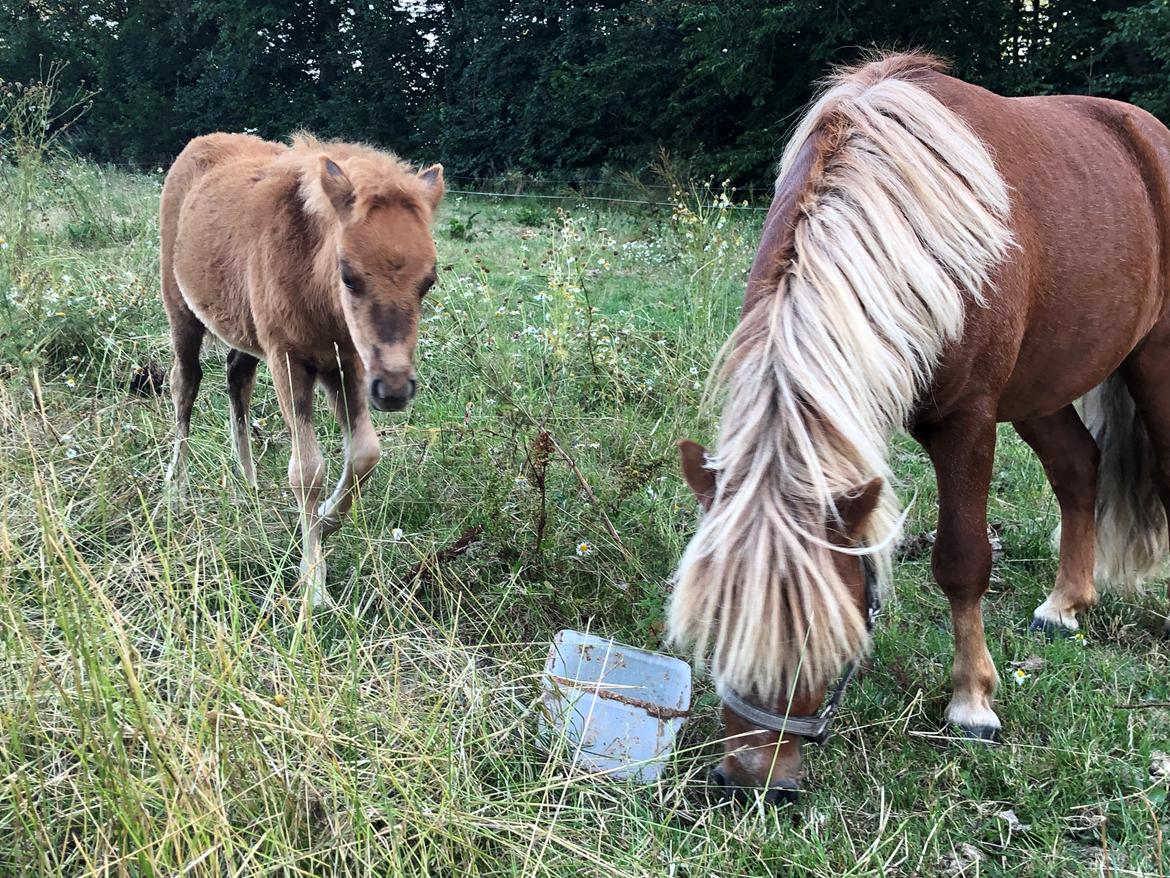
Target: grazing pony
point(939, 258)
point(314, 257)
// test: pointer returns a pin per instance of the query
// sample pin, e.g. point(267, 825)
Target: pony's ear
point(433, 177)
point(692, 457)
point(855, 507)
point(337, 187)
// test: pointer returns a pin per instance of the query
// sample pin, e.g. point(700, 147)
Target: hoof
point(1050, 630)
point(317, 596)
point(1053, 620)
point(313, 582)
point(174, 497)
point(980, 734)
point(329, 519)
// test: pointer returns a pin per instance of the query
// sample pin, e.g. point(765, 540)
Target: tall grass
point(165, 710)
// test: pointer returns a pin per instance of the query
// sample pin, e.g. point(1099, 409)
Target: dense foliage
point(555, 87)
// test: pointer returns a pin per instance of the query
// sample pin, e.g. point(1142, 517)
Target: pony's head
point(754, 757)
point(384, 259)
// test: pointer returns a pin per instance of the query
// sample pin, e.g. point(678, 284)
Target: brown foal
point(938, 258)
point(314, 257)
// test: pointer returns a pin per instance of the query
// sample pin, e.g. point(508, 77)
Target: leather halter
point(815, 729)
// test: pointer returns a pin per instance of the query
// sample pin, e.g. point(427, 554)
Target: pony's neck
point(888, 220)
point(312, 242)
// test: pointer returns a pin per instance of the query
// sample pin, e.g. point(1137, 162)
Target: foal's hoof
point(174, 498)
point(330, 521)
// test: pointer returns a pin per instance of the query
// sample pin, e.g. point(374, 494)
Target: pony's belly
point(225, 322)
point(1045, 381)
point(1074, 342)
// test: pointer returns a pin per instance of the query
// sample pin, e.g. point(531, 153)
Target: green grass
point(165, 711)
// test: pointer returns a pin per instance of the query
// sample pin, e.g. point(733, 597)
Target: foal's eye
point(350, 279)
point(426, 283)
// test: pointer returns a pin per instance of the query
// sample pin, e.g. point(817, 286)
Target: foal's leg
point(346, 390)
point(293, 381)
point(1070, 457)
point(241, 378)
point(962, 449)
point(186, 340)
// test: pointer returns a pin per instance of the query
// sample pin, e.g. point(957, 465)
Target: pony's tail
point(1131, 521)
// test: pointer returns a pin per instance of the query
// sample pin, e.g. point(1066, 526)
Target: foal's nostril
point(716, 778)
point(412, 388)
point(782, 793)
point(384, 397)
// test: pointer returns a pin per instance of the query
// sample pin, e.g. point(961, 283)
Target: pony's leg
point(293, 382)
point(1070, 458)
point(241, 378)
point(962, 449)
point(346, 390)
point(186, 373)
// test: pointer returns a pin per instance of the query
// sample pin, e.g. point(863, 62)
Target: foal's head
point(757, 758)
point(384, 261)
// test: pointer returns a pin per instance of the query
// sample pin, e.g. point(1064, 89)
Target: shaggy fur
point(315, 258)
point(901, 223)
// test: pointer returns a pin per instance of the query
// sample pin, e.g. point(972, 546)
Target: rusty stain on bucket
point(617, 709)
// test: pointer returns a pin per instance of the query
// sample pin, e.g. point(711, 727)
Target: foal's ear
point(692, 457)
point(337, 187)
point(855, 507)
point(436, 186)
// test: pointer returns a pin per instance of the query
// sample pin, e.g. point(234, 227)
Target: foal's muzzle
point(392, 396)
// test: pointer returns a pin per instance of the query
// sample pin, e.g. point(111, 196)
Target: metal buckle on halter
point(815, 729)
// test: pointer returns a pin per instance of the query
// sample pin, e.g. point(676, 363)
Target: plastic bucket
point(616, 708)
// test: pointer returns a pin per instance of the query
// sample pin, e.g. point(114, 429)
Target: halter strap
point(816, 729)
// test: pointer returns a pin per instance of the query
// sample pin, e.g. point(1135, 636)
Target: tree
point(563, 87)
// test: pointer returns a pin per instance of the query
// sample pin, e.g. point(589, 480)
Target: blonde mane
point(897, 231)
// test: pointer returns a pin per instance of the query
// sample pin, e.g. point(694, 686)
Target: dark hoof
point(783, 792)
point(1051, 630)
point(981, 734)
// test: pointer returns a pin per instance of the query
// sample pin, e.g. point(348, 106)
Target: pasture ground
point(165, 711)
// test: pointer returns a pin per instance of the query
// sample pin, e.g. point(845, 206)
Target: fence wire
point(578, 197)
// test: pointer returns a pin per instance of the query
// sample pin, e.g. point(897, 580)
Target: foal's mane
point(379, 178)
point(895, 232)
